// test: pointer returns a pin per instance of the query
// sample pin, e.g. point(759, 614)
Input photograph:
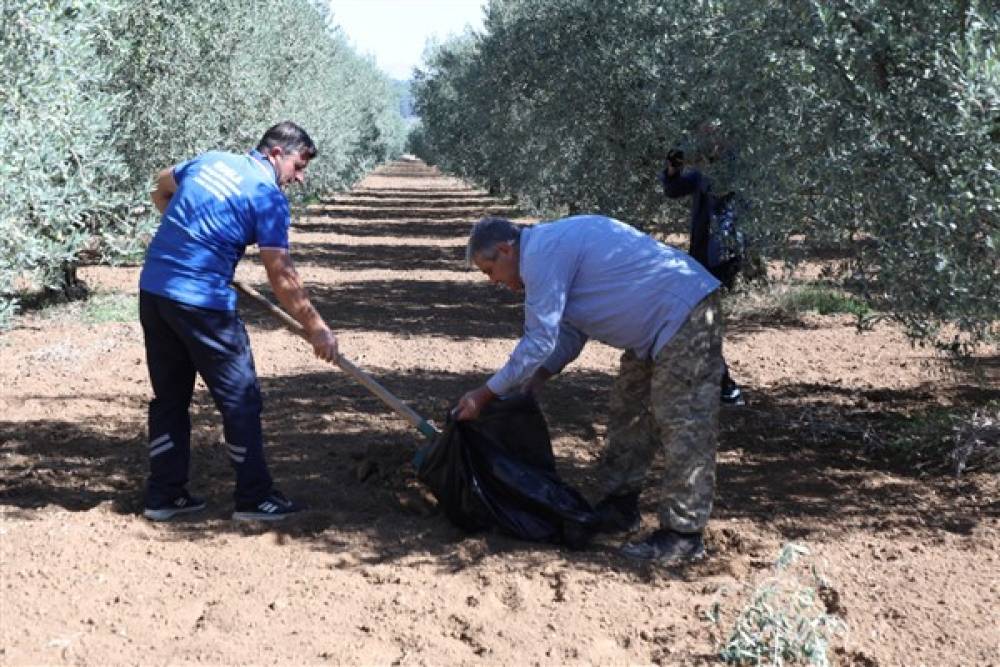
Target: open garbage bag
point(499, 471)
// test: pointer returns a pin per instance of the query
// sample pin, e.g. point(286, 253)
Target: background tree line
point(870, 128)
point(97, 95)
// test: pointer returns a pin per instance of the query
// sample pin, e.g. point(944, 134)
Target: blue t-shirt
point(223, 203)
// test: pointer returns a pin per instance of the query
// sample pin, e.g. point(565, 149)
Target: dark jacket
point(692, 182)
point(703, 203)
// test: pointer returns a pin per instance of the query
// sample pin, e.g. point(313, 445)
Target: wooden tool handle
point(403, 410)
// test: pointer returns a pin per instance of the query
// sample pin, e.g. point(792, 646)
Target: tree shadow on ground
point(411, 171)
point(985, 369)
point(361, 213)
point(410, 193)
point(384, 257)
point(339, 450)
point(472, 310)
point(80, 464)
point(379, 202)
point(805, 453)
point(460, 310)
point(801, 249)
point(747, 325)
point(404, 228)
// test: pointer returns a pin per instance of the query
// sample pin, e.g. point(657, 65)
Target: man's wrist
point(494, 392)
point(314, 328)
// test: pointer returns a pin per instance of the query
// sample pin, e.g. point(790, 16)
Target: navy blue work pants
point(182, 340)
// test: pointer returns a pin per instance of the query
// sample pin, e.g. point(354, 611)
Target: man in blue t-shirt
point(213, 207)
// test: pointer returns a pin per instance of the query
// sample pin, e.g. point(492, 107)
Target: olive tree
point(59, 182)
point(97, 95)
point(200, 76)
point(869, 125)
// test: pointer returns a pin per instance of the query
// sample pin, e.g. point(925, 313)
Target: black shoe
point(618, 513)
point(182, 504)
point(666, 546)
point(577, 536)
point(274, 507)
point(732, 397)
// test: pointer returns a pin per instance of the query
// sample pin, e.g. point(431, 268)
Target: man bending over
point(589, 276)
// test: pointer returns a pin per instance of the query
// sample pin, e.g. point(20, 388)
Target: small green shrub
point(97, 308)
point(977, 441)
point(782, 302)
point(785, 621)
point(8, 308)
point(940, 439)
point(823, 300)
point(110, 307)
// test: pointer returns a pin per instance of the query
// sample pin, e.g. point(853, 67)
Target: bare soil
point(372, 574)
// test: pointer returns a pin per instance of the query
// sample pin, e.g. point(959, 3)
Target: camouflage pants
point(670, 403)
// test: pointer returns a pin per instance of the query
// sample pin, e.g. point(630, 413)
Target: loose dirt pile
point(371, 575)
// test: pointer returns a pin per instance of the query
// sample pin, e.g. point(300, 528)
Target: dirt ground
point(371, 574)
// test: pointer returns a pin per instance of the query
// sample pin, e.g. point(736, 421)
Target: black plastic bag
point(499, 471)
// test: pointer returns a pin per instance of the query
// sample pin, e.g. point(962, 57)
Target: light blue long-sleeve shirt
point(588, 276)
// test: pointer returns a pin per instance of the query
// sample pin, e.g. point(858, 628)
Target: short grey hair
point(487, 234)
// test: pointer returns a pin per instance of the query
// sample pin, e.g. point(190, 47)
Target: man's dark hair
point(290, 137)
point(675, 157)
point(487, 234)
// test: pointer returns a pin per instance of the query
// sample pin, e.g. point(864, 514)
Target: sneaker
point(618, 513)
point(182, 504)
point(577, 536)
point(274, 507)
point(666, 546)
point(732, 397)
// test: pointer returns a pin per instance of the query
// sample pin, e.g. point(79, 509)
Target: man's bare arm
point(163, 189)
point(292, 295)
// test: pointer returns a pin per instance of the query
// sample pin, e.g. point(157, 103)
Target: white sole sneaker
point(261, 516)
point(167, 513)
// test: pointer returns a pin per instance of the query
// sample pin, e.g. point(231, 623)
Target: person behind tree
point(213, 207)
point(679, 182)
point(589, 276)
